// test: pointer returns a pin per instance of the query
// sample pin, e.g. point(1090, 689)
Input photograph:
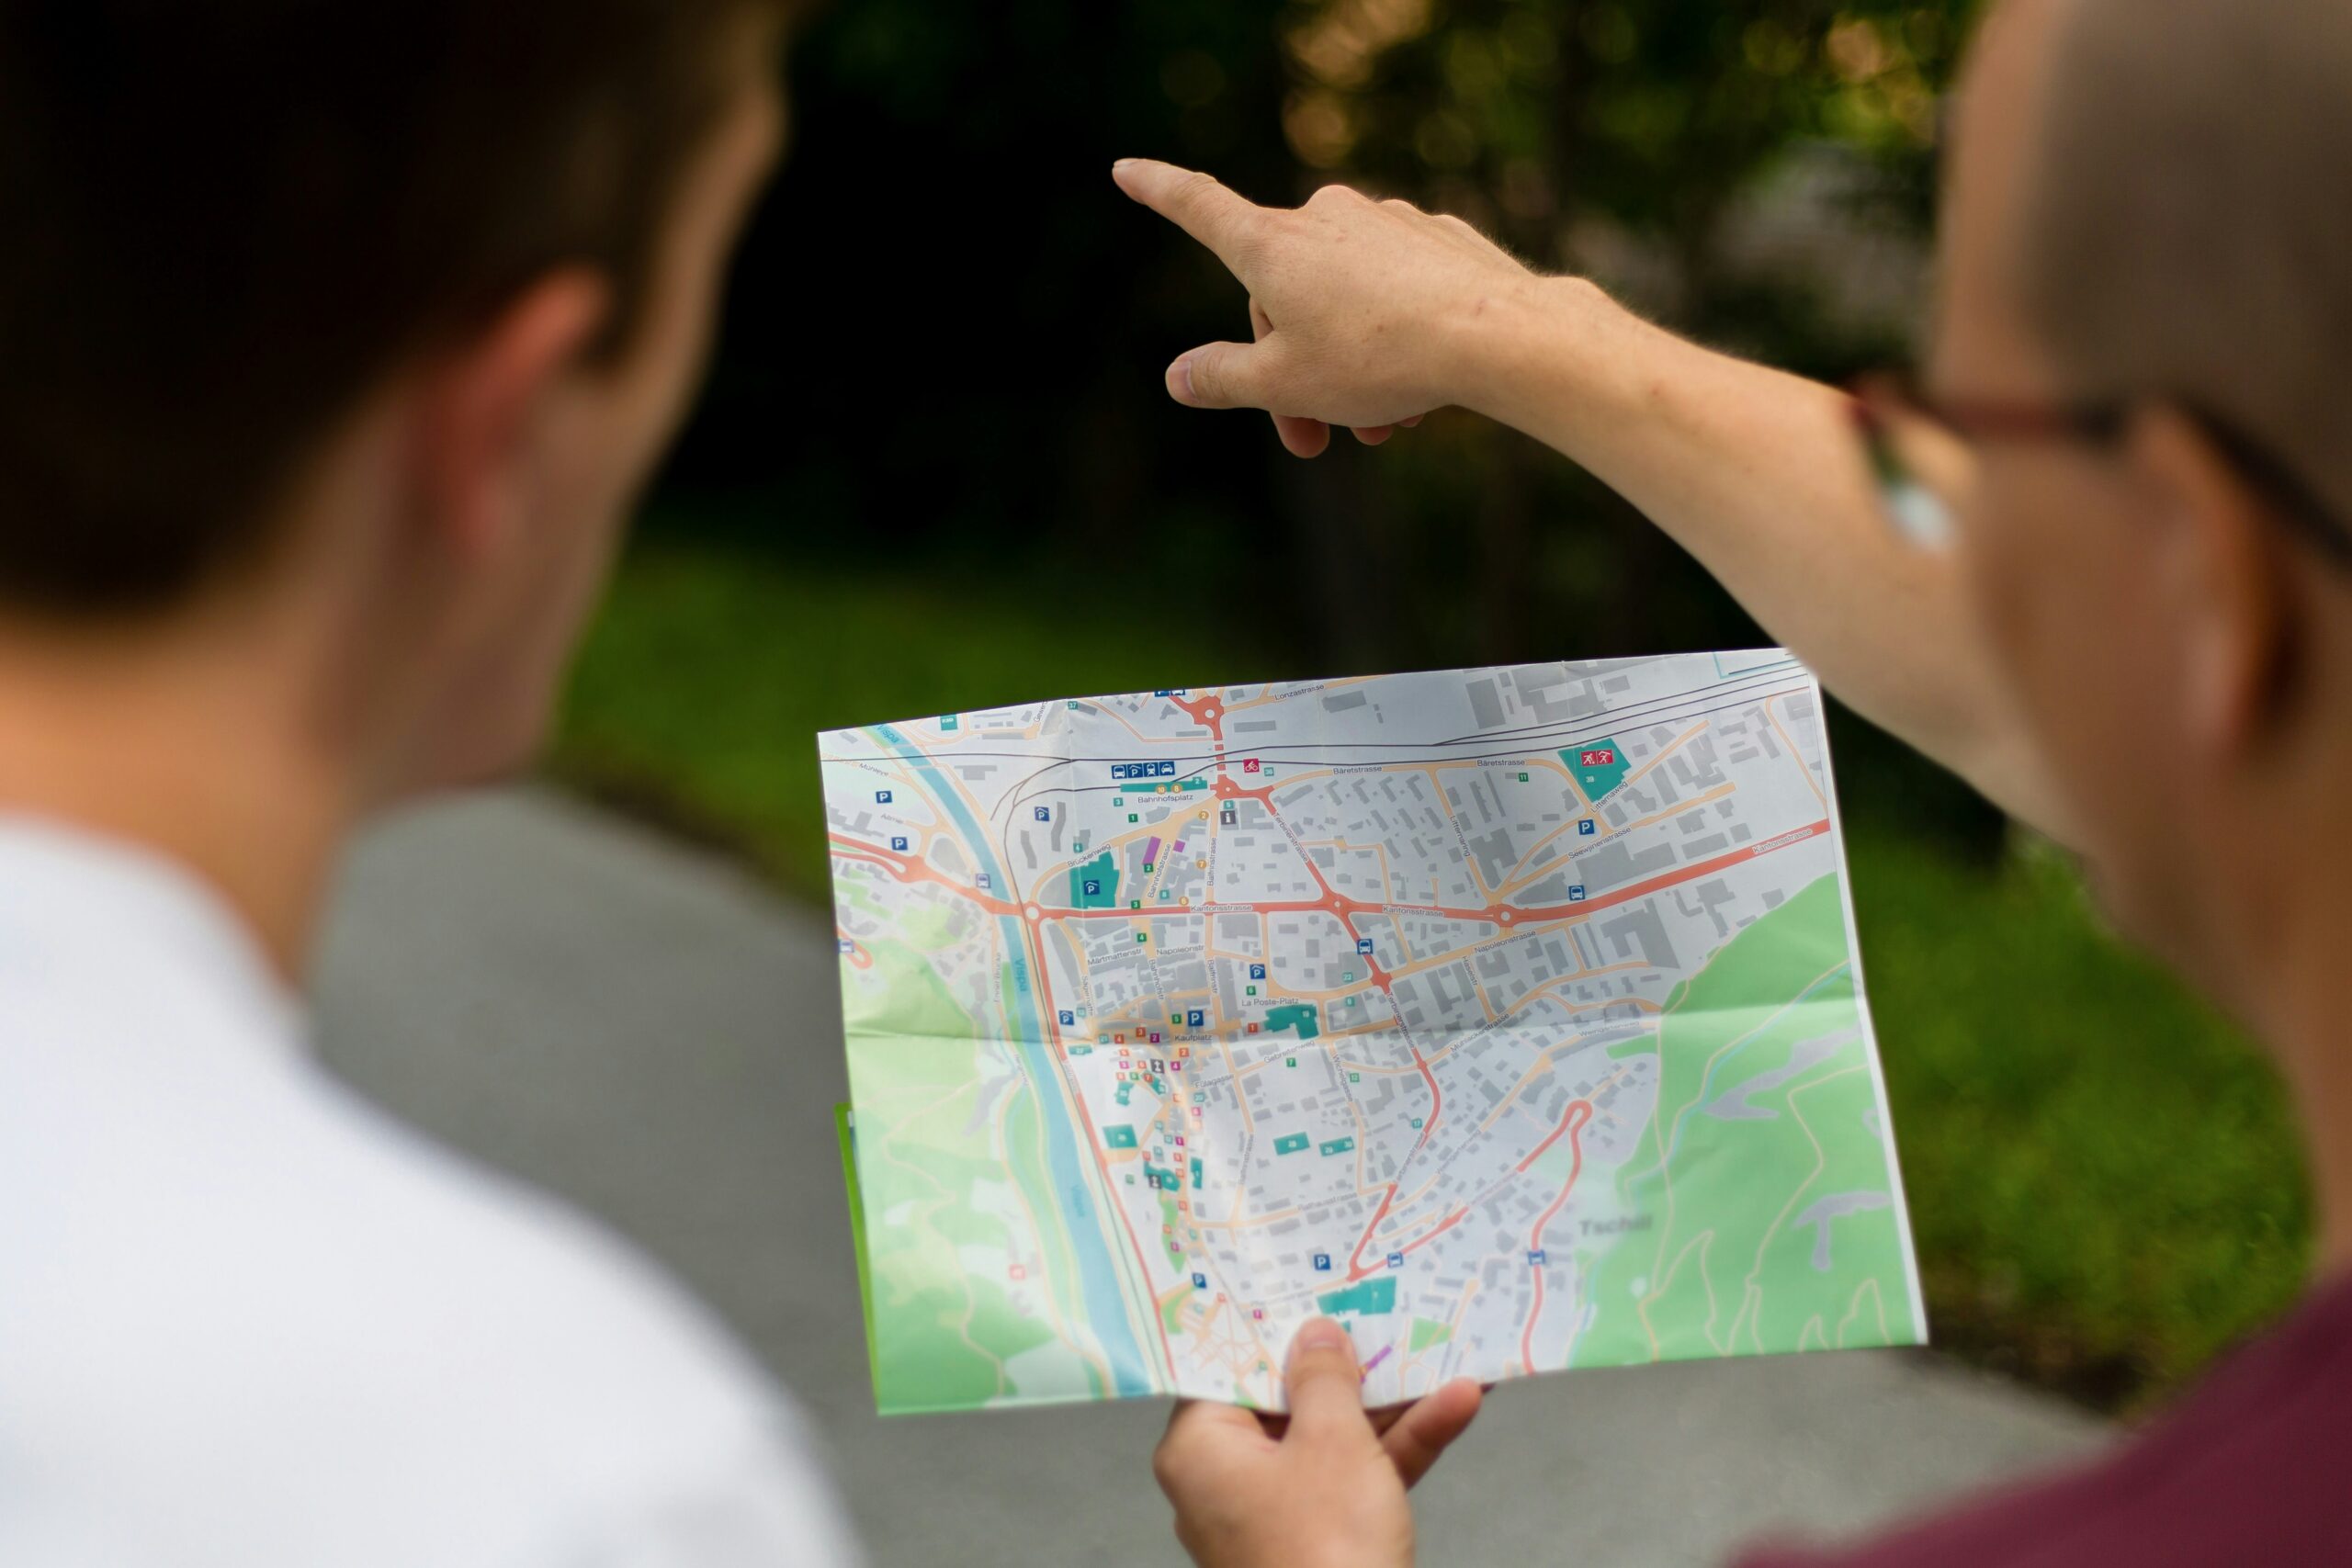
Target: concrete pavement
point(648, 1032)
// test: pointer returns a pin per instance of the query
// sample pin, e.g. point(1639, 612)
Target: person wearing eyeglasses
point(2101, 567)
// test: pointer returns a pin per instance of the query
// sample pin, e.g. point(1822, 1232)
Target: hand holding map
point(1511, 1016)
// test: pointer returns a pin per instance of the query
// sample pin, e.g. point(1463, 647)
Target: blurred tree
point(1526, 116)
point(1601, 135)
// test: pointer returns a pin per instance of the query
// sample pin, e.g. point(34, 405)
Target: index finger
point(1194, 202)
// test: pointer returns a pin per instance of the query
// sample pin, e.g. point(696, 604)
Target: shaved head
point(2144, 210)
point(2185, 230)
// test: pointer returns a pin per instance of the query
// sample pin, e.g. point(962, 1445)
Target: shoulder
point(256, 1312)
point(2247, 1469)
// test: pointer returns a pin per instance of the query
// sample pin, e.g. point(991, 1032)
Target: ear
point(2228, 582)
point(483, 400)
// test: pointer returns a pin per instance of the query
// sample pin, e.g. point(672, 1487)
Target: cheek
point(2060, 594)
point(2023, 612)
point(551, 605)
point(503, 694)
point(2064, 601)
point(2044, 638)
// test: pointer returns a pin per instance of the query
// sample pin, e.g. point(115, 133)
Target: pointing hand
point(1354, 304)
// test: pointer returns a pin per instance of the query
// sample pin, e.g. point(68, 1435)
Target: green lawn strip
point(710, 671)
point(2103, 1182)
point(2105, 1189)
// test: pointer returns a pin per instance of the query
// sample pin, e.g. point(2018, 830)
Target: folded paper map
point(1511, 1016)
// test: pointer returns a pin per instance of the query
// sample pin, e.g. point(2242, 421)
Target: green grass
point(2103, 1182)
point(706, 679)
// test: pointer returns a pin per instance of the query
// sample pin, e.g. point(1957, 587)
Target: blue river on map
point(1106, 1305)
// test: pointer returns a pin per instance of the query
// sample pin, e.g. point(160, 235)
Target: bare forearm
point(1757, 474)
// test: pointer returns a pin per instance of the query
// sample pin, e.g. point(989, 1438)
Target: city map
point(1511, 1016)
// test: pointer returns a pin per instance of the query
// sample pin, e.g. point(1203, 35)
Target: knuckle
point(1165, 1465)
point(1207, 372)
point(1270, 232)
point(1195, 196)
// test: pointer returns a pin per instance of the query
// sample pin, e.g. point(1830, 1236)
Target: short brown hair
point(219, 223)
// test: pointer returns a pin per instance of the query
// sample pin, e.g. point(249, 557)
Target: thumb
point(1322, 1383)
point(1220, 376)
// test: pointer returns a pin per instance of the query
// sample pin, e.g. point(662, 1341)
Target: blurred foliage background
point(935, 469)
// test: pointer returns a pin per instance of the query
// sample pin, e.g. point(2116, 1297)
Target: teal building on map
point(1302, 1016)
point(1095, 884)
point(1600, 767)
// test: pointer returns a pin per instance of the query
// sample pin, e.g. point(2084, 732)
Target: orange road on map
point(1573, 1124)
point(1493, 914)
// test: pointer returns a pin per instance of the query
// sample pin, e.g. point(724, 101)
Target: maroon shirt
point(2255, 1467)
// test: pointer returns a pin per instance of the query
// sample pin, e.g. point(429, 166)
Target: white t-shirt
point(246, 1319)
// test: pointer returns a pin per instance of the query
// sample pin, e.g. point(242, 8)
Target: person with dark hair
point(2102, 568)
point(336, 341)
